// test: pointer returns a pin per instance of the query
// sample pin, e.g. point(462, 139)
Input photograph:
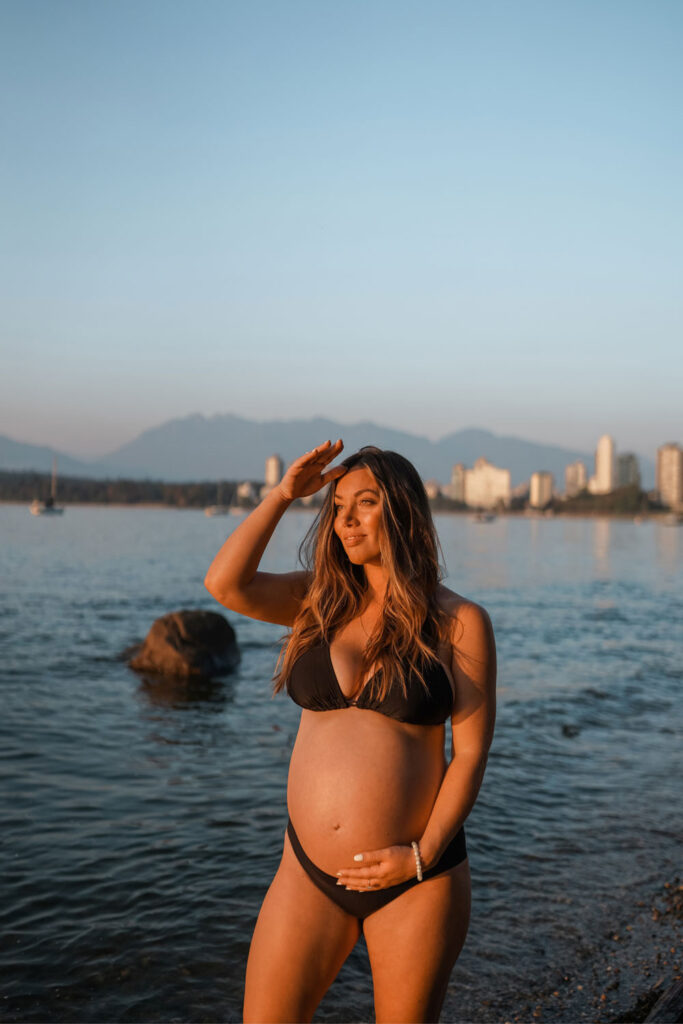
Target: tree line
point(629, 500)
point(25, 486)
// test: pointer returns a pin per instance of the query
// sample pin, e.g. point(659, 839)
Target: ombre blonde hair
point(411, 624)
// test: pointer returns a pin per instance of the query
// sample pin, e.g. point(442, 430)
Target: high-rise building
point(541, 489)
point(604, 479)
point(669, 478)
point(575, 478)
point(456, 488)
point(246, 492)
point(273, 472)
point(628, 471)
point(487, 485)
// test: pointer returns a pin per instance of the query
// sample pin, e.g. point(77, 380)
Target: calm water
point(142, 823)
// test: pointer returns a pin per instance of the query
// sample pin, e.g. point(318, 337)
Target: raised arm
point(233, 577)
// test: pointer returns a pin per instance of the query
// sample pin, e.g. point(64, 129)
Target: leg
point(300, 942)
point(413, 943)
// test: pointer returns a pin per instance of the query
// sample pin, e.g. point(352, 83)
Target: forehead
point(355, 480)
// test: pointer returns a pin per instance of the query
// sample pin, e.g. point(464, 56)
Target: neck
point(377, 578)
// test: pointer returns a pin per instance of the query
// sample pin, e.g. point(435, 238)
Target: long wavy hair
point(411, 624)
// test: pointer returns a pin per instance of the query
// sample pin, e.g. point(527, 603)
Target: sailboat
point(218, 509)
point(48, 507)
point(483, 517)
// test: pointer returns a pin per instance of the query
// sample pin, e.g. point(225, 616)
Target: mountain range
point(227, 447)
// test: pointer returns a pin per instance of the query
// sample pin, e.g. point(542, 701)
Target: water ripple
point(142, 822)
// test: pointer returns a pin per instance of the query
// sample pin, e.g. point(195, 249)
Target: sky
point(433, 215)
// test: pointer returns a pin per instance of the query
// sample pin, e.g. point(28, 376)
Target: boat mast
point(53, 490)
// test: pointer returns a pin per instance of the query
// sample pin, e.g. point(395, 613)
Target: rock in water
point(190, 644)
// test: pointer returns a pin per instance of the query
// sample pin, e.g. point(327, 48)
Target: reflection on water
point(143, 821)
point(212, 695)
point(668, 540)
point(601, 544)
point(475, 549)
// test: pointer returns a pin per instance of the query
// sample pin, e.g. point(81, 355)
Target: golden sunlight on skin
point(357, 779)
point(362, 781)
point(358, 518)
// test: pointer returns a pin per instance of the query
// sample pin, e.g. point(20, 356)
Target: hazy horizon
point(433, 216)
point(589, 453)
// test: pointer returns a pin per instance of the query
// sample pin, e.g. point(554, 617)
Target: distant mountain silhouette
point(230, 447)
point(16, 455)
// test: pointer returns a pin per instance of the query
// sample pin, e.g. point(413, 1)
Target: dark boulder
point(188, 644)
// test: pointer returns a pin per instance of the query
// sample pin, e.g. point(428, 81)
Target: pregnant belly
point(361, 781)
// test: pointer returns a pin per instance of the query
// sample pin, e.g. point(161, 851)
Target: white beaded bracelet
point(418, 860)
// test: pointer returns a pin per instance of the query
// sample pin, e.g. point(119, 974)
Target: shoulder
point(460, 610)
point(473, 649)
point(469, 623)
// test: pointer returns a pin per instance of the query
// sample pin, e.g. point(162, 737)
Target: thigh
point(300, 941)
point(413, 943)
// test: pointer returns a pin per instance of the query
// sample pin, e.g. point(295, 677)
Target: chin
point(356, 558)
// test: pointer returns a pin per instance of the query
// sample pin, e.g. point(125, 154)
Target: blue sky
point(433, 215)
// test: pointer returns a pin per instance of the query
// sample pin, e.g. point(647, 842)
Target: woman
point(379, 656)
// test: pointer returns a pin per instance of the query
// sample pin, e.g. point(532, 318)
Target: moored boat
point(49, 507)
point(219, 509)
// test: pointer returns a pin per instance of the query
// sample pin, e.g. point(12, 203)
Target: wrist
point(280, 497)
point(419, 866)
point(429, 854)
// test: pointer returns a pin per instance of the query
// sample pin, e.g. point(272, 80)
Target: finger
point(328, 451)
point(360, 884)
point(370, 857)
point(333, 474)
point(356, 873)
point(314, 453)
point(326, 447)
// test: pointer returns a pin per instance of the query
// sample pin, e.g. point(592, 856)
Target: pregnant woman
point(379, 656)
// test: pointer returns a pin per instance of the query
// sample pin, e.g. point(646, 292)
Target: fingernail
point(339, 874)
point(358, 856)
point(339, 881)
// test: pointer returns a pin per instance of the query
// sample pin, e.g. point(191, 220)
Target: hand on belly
point(379, 869)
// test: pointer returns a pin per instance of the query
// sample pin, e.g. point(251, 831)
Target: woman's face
point(358, 516)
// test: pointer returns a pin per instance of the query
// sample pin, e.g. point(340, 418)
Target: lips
point(352, 539)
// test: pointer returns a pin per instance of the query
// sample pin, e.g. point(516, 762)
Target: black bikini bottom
point(360, 904)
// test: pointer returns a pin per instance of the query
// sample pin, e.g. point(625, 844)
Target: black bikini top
point(313, 685)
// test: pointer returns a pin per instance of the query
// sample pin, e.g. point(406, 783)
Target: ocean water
point(143, 821)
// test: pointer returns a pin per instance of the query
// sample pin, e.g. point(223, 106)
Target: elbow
point(229, 599)
point(211, 584)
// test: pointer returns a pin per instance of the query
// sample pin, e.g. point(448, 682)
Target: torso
point(359, 780)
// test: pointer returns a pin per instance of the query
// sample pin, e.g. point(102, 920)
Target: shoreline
point(619, 978)
point(522, 514)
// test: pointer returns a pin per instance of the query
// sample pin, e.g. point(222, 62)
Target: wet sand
point(617, 979)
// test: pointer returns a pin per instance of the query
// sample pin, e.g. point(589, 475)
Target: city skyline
point(434, 216)
point(490, 480)
point(484, 486)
